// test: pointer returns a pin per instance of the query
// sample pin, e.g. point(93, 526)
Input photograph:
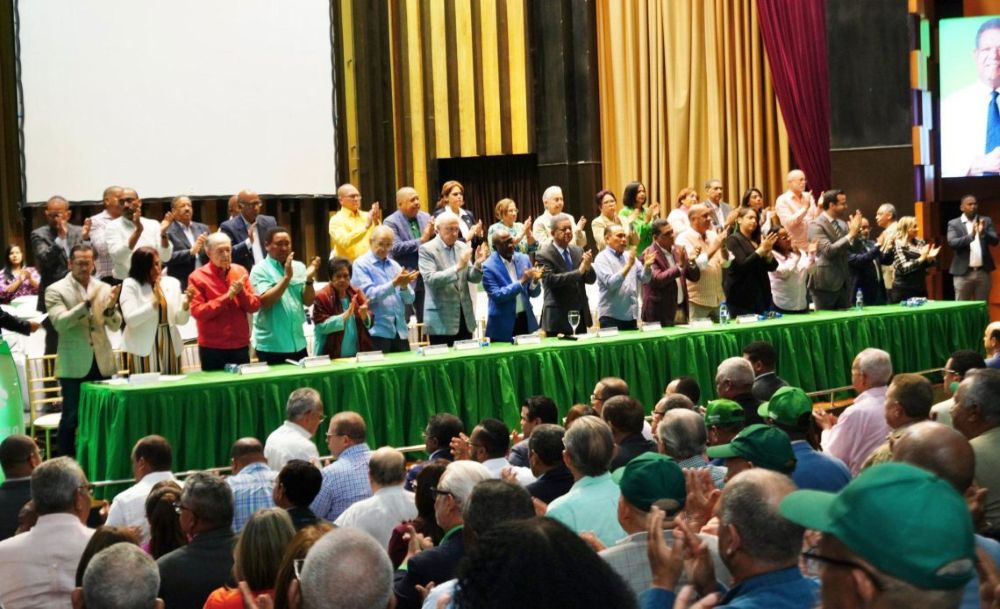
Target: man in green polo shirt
point(285, 287)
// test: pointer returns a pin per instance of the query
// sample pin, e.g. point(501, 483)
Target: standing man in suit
point(112, 211)
point(130, 231)
point(188, 238)
point(664, 280)
point(971, 236)
point(444, 266)
point(866, 268)
point(52, 244)
point(835, 239)
point(412, 228)
point(566, 269)
point(247, 229)
point(81, 308)
point(510, 281)
point(719, 208)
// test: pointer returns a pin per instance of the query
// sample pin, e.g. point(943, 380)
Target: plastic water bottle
point(723, 313)
point(859, 300)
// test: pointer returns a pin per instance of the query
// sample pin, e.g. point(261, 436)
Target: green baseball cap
point(905, 521)
point(762, 445)
point(724, 412)
point(649, 478)
point(786, 406)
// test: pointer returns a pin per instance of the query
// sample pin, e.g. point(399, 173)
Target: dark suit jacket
point(748, 289)
point(866, 273)
point(437, 564)
point(832, 272)
point(13, 495)
point(659, 295)
point(190, 573)
point(765, 385)
point(630, 448)
point(181, 264)
point(51, 260)
point(564, 290)
point(552, 484)
point(503, 293)
point(749, 403)
point(237, 227)
point(960, 240)
point(9, 322)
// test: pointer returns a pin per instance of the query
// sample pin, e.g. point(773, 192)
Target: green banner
point(11, 405)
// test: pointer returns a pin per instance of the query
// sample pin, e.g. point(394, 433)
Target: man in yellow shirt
point(350, 227)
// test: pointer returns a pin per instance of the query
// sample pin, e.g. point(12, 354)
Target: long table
point(202, 414)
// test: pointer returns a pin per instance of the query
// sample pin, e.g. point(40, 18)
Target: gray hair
point(54, 485)
point(302, 402)
point(590, 445)
point(550, 193)
point(612, 228)
point(387, 466)
point(981, 387)
point(460, 477)
point(121, 576)
point(446, 217)
point(876, 365)
point(216, 239)
point(556, 219)
point(750, 503)
point(887, 208)
point(737, 371)
point(209, 498)
point(674, 401)
point(348, 568)
point(380, 231)
point(682, 433)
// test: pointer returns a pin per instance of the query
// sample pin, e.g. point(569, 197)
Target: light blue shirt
point(618, 295)
point(386, 302)
point(278, 328)
point(590, 505)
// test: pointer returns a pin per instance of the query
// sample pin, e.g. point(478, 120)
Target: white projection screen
point(194, 97)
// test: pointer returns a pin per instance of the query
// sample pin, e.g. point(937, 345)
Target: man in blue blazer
point(412, 228)
point(247, 229)
point(188, 238)
point(510, 280)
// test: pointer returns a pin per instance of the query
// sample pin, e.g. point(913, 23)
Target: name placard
point(701, 323)
point(468, 345)
point(606, 332)
point(651, 326)
point(747, 319)
point(369, 356)
point(311, 362)
point(255, 368)
point(433, 350)
point(145, 378)
point(527, 339)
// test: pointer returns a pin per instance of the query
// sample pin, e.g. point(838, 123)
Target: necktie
point(567, 259)
point(992, 127)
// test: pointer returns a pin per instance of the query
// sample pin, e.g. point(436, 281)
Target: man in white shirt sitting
point(152, 458)
point(389, 504)
point(294, 439)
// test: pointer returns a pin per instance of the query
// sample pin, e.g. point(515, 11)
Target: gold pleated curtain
point(686, 95)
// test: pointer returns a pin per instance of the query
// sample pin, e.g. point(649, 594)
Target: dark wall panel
point(872, 176)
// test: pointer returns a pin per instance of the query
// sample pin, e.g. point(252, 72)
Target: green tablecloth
point(204, 413)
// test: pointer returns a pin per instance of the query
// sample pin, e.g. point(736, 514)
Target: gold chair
point(190, 362)
point(123, 362)
point(43, 388)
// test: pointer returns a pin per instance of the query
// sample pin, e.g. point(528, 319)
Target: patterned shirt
point(345, 481)
point(102, 263)
point(699, 462)
point(374, 278)
point(252, 489)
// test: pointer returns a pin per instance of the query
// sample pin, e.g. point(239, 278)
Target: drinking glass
point(574, 319)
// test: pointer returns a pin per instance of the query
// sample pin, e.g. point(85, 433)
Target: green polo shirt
point(591, 505)
point(278, 328)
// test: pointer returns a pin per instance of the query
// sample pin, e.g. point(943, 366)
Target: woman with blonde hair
point(678, 217)
point(506, 215)
point(910, 261)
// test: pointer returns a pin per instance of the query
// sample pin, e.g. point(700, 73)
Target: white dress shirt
point(290, 441)
point(496, 467)
point(116, 235)
point(38, 568)
point(380, 513)
point(975, 246)
point(129, 507)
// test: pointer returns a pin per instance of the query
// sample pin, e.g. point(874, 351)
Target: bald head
point(940, 450)
point(250, 204)
point(408, 201)
point(387, 467)
point(246, 451)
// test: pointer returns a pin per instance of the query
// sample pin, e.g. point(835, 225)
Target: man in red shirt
point(222, 300)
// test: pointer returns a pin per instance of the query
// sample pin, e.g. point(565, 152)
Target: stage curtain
point(794, 35)
point(685, 95)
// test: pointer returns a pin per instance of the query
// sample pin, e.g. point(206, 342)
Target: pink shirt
point(795, 214)
point(859, 431)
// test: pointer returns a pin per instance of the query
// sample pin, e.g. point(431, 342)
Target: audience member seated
point(976, 414)
point(252, 481)
point(348, 567)
point(605, 389)
point(165, 533)
point(591, 503)
point(256, 557)
point(389, 290)
point(866, 563)
point(389, 504)
point(511, 281)
point(763, 357)
point(291, 562)
point(618, 280)
point(438, 563)
point(955, 369)
point(153, 305)
point(341, 315)
point(862, 427)
point(535, 410)
point(682, 437)
point(567, 270)
point(103, 537)
point(757, 544)
point(16, 279)
point(121, 575)
point(246, 230)
point(545, 457)
point(294, 439)
point(747, 288)
point(723, 419)
point(625, 415)
point(686, 385)
point(130, 231)
point(576, 411)
point(19, 456)
point(671, 402)
point(285, 287)
point(907, 401)
point(991, 340)
point(37, 567)
point(345, 481)
point(152, 458)
point(488, 444)
point(441, 429)
point(790, 410)
point(425, 523)
point(757, 446)
point(734, 381)
point(221, 303)
point(295, 489)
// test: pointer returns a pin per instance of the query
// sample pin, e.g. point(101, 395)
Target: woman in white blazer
point(153, 305)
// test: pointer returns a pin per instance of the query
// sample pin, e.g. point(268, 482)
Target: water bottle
point(723, 313)
point(859, 300)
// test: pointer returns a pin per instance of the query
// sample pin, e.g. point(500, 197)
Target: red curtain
point(794, 33)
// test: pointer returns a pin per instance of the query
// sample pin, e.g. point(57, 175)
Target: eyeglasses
point(86, 488)
point(951, 372)
point(178, 507)
point(816, 563)
point(440, 491)
point(297, 565)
